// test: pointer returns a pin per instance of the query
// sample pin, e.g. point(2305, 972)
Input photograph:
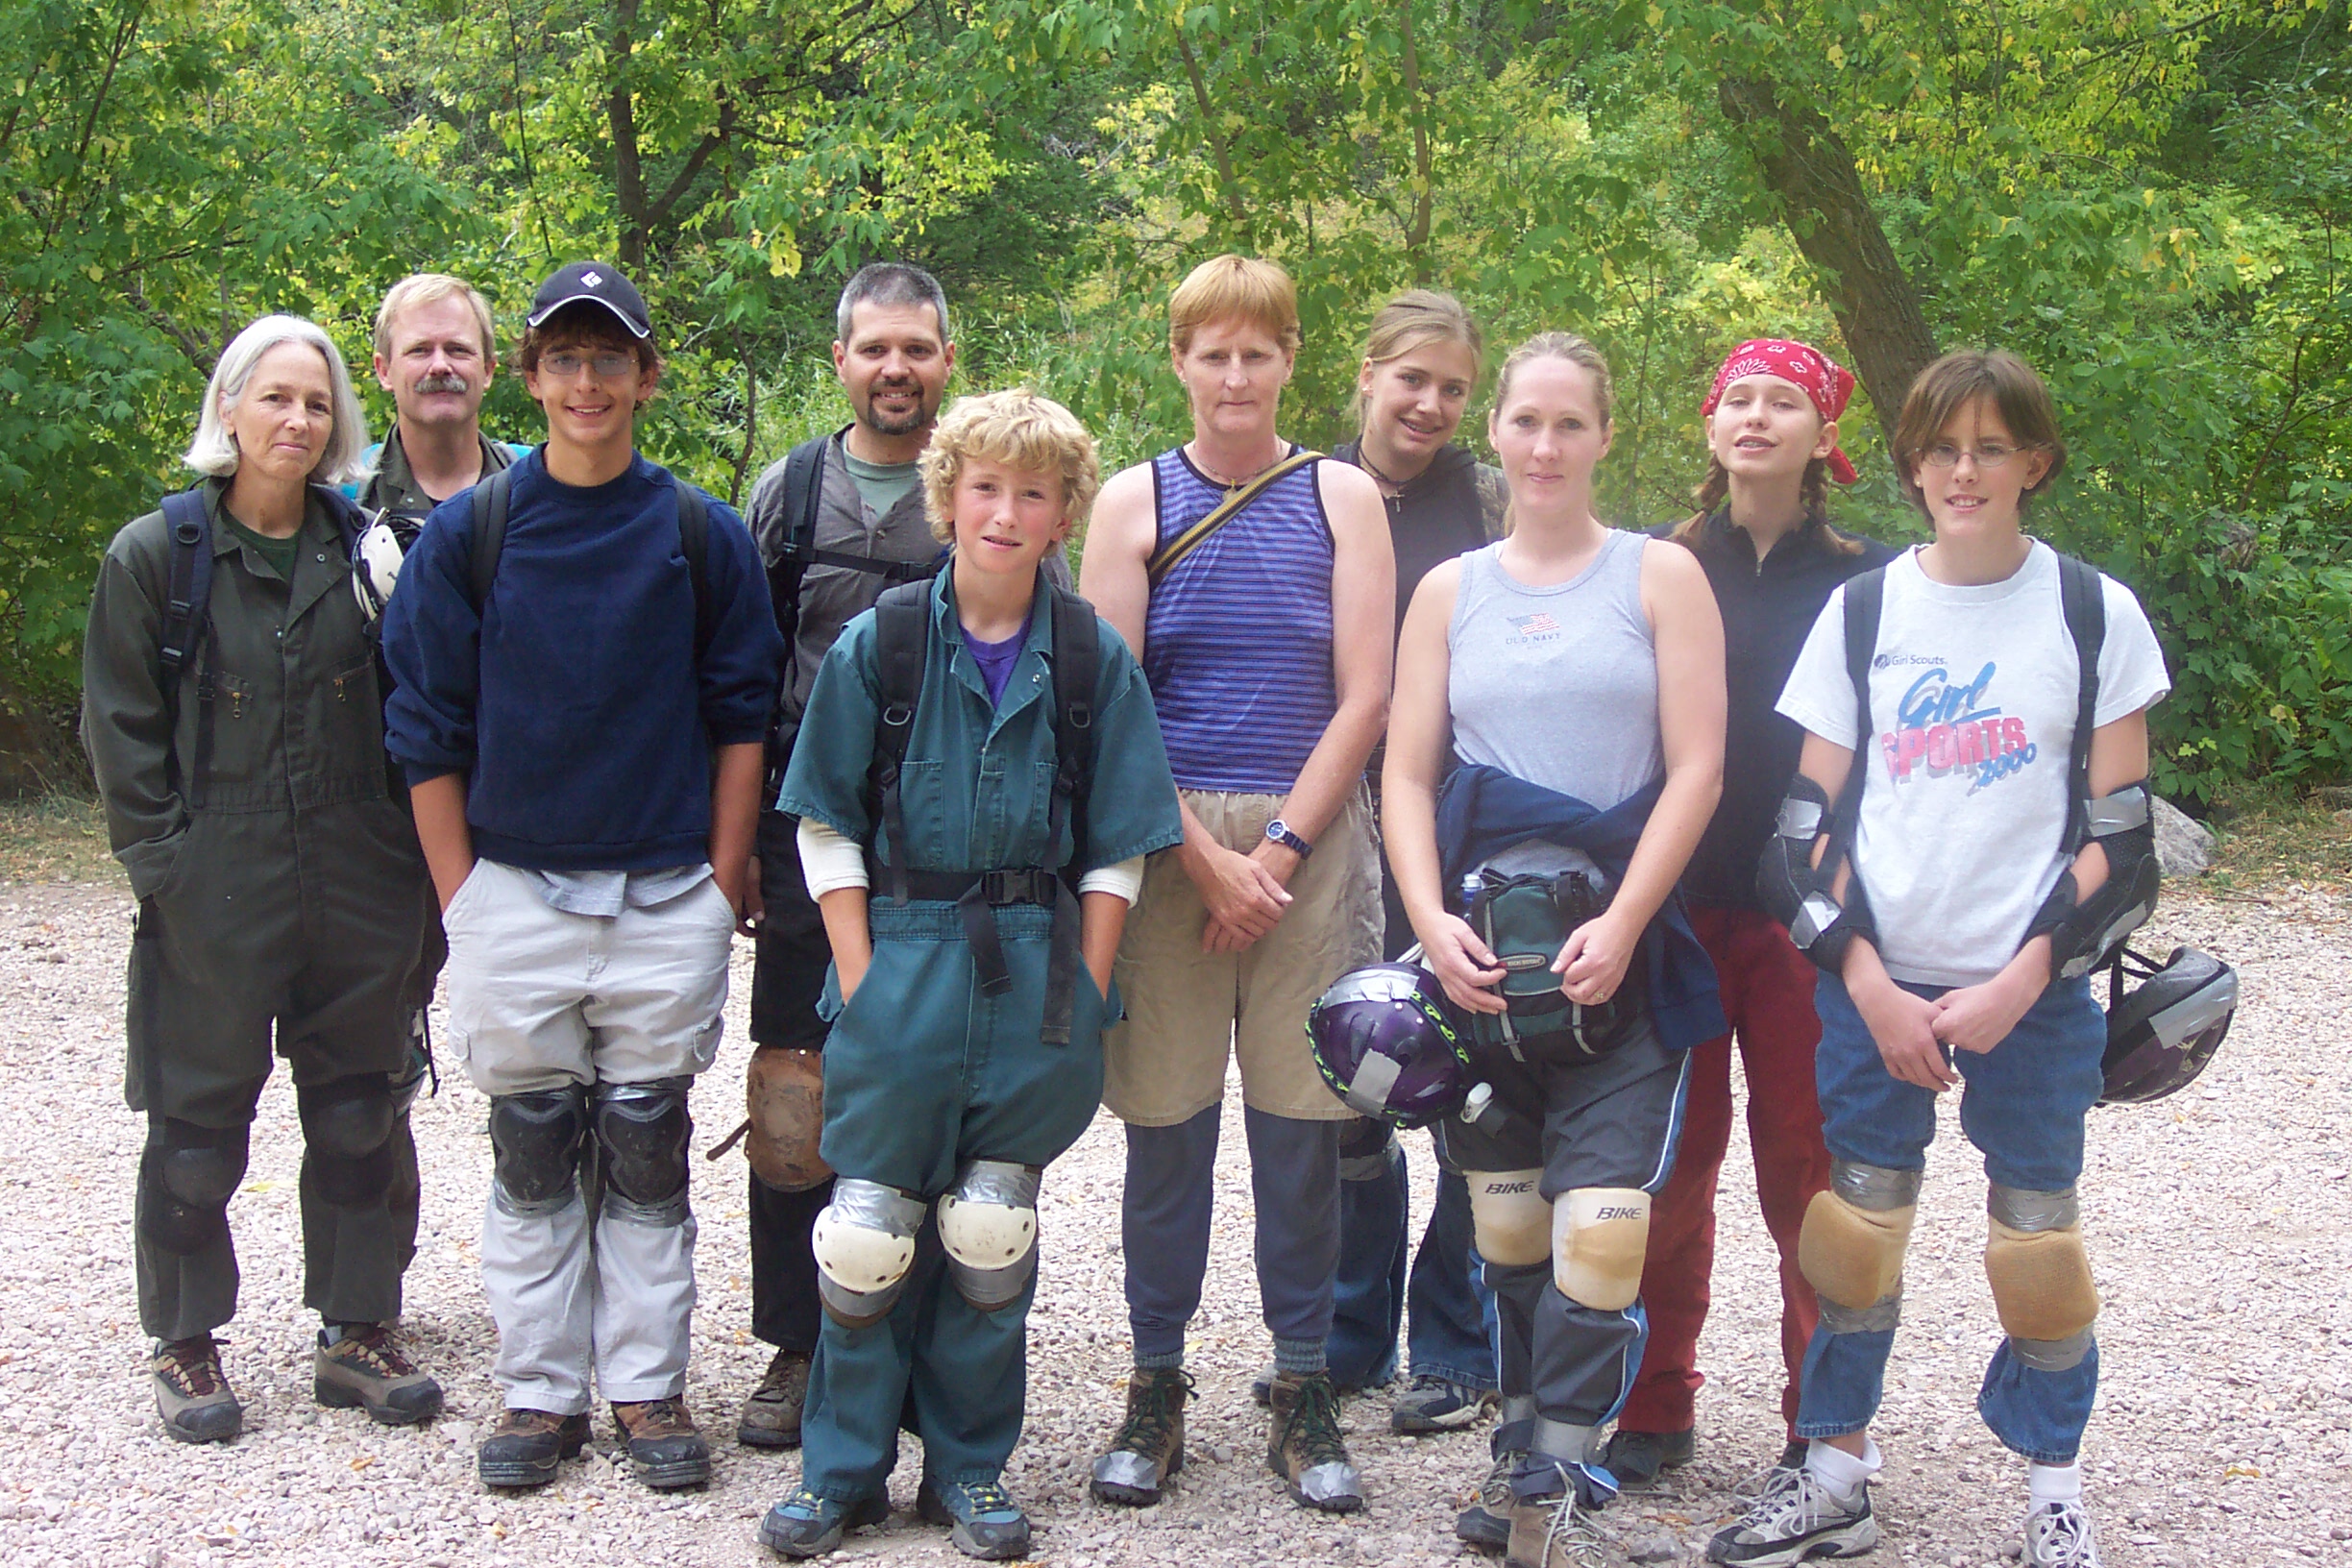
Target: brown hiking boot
point(663, 1444)
point(770, 1418)
point(192, 1395)
point(1307, 1450)
point(526, 1447)
point(1148, 1446)
point(363, 1367)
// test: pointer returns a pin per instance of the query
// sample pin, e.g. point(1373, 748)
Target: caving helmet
point(2163, 1031)
point(1385, 1040)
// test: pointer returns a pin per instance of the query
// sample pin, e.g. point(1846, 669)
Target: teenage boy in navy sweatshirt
point(582, 745)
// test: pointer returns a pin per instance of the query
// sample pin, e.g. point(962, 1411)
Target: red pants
point(1768, 995)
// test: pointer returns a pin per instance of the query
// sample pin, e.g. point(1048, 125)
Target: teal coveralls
point(922, 1071)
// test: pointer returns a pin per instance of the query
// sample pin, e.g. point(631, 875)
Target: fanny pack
point(1524, 921)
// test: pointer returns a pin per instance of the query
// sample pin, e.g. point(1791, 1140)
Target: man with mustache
point(435, 353)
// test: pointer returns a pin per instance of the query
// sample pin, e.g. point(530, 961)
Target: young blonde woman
point(1579, 672)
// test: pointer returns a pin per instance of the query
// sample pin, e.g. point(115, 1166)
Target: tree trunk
point(628, 172)
point(1813, 174)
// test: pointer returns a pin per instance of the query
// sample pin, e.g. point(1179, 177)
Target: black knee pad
point(537, 1140)
point(347, 1137)
point(187, 1176)
point(643, 1131)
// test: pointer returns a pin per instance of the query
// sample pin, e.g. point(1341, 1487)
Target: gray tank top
point(1557, 685)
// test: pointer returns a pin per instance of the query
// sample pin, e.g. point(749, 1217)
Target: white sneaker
point(2058, 1536)
point(1796, 1520)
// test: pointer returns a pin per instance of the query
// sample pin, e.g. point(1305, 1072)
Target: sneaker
point(1798, 1520)
point(805, 1524)
point(1485, 1523)
point(192, 1395)
point(982, 1518)
point(1306, 1449)
point(1148, 1446)
point(663, 1444)
point(1774, 1476)
point(357, 1365)
point(1636, 1458)
point(770, 1418)
point(2058, 1536)
point(1434, 1404)
point(1552, 1533)
point(526, 1447)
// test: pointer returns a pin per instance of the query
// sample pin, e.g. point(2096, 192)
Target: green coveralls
point(280, 883)
point(924, 1072)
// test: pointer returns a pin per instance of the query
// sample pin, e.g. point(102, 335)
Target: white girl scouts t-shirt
point(1973, 695)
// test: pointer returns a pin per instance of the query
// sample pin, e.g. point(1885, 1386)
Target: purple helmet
point(1385, 1044)
point(2163, 1032)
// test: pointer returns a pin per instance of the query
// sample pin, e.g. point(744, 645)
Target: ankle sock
point(1841, 1472)
point(1304, 1356)
point(1166, 1361)
point(2054, 1482)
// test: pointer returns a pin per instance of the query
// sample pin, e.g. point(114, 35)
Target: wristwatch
point(1279, 831)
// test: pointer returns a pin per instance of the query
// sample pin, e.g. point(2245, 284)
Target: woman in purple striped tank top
point(1267, 649)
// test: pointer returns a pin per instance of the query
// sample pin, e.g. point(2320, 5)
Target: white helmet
point(376, 559)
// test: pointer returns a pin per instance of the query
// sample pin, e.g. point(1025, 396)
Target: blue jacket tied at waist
point(1482, 811)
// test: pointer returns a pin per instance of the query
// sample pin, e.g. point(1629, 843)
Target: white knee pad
point(1509, 1217)
point(2041, 1275)
point(989, 1226)
point(1600, 1235)
point(1851, 1247)
point(865, 1242)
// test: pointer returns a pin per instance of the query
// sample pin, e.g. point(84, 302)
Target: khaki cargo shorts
point(1164, 1063)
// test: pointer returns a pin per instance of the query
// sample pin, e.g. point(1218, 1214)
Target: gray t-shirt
point(1557, 685)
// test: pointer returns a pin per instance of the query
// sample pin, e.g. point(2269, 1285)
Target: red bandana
point(1825, 380)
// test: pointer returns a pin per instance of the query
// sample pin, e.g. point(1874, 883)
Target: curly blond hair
point(1020, 430)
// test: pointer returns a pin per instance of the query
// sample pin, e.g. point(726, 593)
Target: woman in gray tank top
point(1578, 672)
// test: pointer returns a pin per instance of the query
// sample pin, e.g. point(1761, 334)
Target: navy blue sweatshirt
point(575, 701)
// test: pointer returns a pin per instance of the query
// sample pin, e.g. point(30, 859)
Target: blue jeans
point(2022, 1106)
point(1452, 1312)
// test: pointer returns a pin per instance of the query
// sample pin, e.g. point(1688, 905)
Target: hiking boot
point(1307, 1450)
point(526, 1446)
point(1552, 1533)
point(1798, 1520)
point(2058, 1536)
point(358, 1366)
point(1636, 1458)
point(1432, 1403)
point(982, 1518)
point(1485, 1523)
point(1148, 1446)
point(192, 1396)
point(771, 1418)
point(805, 1524)
point(663, 1444)
point(1775, 1476)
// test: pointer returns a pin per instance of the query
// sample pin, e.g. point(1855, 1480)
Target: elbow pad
point(1796, 895)
point(2083, 931)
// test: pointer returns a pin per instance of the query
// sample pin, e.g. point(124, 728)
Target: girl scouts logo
point(1538, 628)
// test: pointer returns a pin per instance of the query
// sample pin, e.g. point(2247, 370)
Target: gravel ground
point(2218, 1226)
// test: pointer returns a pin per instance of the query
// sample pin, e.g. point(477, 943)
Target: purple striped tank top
point(1237, 642)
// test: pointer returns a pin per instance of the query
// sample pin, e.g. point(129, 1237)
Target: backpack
point(790, 556)
point(492, 498)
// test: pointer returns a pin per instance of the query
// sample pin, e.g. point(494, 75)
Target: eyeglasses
point(608, 366)
point(1990, 455)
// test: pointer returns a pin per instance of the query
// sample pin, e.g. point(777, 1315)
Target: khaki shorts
point(1164, 1063)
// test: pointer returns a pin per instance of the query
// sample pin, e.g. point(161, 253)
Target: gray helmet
point(2163, 1032)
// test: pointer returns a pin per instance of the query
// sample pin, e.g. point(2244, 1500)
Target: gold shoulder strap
point(1197, 535)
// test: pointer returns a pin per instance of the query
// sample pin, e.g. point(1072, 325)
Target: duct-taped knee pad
point(1510, 1219)
point(865, 1243)
point(643, 1132)
point(1599, 1237)
point(535, 1143)
point(2041, 1275)
point(187, 1176)
point(1851, 1247)
point(989, 1226)
point(347, 1137)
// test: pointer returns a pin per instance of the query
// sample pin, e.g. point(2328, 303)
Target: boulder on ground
point(2184, 845)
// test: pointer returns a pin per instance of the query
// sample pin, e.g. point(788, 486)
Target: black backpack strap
point(694, 541)
point(902, 638)
point(1865, 598)
point(187, 624)
point(1077, 669)
point(2084, 600)
point(491, 499)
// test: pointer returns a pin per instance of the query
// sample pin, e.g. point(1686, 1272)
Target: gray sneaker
point(1796, 1521)
point(1434, 1404)
point(192, 1395)
point(2058, 1536)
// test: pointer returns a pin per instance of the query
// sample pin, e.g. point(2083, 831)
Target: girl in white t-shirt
point(1943, 942)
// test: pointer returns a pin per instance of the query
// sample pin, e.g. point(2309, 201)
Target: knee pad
point(1599, 1237)
point(535, 1140)
point(347, 1137)
point(1851, 1247)
point(187, 1176)
point(2041, 1275)
point(988, 1226)
point(865, 1243)
point(643, 1132)
point(1510, 1220)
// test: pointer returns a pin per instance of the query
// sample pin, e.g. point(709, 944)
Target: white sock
point(2054, 1482)
point(1841, 1472)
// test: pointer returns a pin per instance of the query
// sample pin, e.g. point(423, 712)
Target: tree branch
point(1209, 127)
point(1417, 233)
point(202, 355)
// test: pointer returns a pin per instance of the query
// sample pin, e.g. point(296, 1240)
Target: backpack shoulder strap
point(902, 639)
point(694, 541)
point(1077, 675)
point(803, 495)
point(1865, 598)
point(188, 591)
point(2084, 600)
point(491, 499)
